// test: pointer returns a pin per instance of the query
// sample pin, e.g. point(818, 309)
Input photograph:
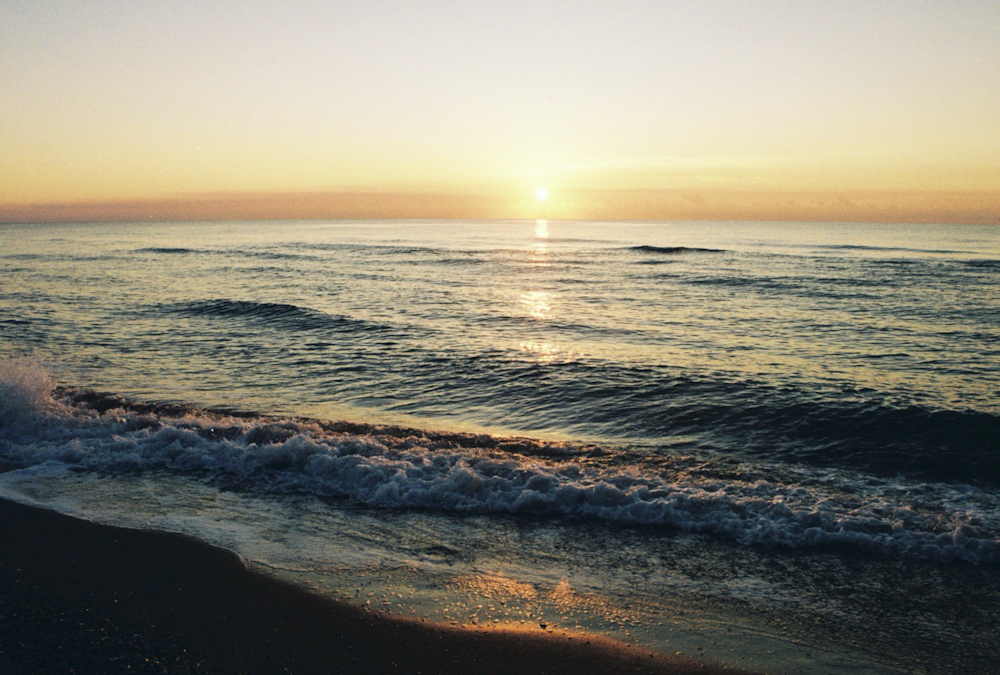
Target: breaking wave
point(394, 468)
point(25, 391)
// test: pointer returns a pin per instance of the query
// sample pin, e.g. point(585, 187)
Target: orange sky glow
point(840, 111)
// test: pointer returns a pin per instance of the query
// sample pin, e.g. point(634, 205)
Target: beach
point(85, 598)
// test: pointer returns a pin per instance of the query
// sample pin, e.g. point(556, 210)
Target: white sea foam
point(292, 456)
point(25, 391)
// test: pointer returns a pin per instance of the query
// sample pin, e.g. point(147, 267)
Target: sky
point(645, 109)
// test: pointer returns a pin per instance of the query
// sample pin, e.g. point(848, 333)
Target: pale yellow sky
point(107, 102)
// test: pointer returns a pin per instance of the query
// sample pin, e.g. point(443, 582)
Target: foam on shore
point(86, 595)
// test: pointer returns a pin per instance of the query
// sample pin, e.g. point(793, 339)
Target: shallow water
point(774, 442)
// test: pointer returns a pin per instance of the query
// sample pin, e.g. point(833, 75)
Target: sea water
point(771, 444)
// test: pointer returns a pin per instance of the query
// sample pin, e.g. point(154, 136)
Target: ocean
point(774, 445)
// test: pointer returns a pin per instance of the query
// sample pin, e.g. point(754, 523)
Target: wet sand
point(84, 598)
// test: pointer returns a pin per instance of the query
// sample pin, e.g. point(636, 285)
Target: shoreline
point(82, 597)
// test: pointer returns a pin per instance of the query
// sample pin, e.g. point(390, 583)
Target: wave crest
point(25, 391)
point(673, 250)
point(409, 469)
point(292, 317)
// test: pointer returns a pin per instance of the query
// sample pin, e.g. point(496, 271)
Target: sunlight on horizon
point(645, 111)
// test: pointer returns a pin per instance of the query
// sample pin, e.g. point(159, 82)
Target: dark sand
point(76, 597)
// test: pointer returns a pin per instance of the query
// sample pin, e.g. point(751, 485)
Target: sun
point(541, 194)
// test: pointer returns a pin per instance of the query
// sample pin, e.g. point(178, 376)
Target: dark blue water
point(872, 347)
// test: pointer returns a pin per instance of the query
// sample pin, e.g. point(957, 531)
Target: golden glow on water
point(697, 312)
point(366, 321)
point(537, 304)
point(545, 352)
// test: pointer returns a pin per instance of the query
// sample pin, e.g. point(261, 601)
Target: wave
point(167, 250)
point(265, 254)
point(238, 253)
point(830, 287)
point(290, 317)
point(887, 249)
point(25, 391)
point(382, 249)
point(983, 263)
point(795, 423)
point(673, 250)
point(394, 468)
point(57, 257)
point(454, 260)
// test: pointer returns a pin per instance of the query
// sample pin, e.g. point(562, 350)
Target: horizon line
point(604, 204)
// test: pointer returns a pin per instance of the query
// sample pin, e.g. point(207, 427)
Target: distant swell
point(985, 264)
point(883, 249)
point(673, 250)
point(165, 249)
point(281, 315)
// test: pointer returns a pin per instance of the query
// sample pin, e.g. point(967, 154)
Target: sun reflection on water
point(540, 247)
point(537, 304)
point(544, 351)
